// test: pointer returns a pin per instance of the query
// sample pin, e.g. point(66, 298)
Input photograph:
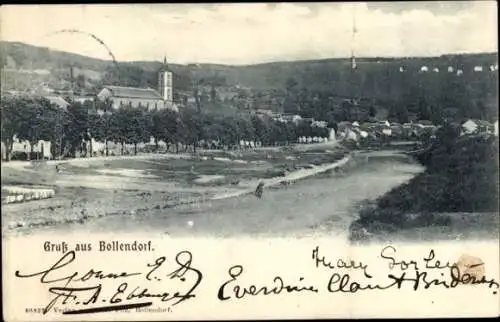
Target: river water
point(323, 204)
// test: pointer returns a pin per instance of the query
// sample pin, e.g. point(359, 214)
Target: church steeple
point(164, 66)
point(165, 82)
point(353, 40)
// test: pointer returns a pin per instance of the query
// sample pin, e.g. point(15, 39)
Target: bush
point(461, 176)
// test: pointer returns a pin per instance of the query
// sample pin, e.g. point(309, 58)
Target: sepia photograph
point(373, 123)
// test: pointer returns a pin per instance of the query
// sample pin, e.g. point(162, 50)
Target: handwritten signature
point(126, 295)
point(74, 289)
point(411, 274)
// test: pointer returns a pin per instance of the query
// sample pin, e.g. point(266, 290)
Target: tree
point(80, 81)
point(372, 111)
point(137, 130)
point(78, 125)
point(97, 125)
point(213, 94)
point(246, 131)
point(157, 125)
point(424, 110)
point(261, 128)
point(12, 117)
point(290, 104)
point(171, 130)
point(38, 122)
point(192, 127)
point(107, 123)
point(116, 126)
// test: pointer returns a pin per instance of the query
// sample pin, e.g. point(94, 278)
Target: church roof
point(134, 92)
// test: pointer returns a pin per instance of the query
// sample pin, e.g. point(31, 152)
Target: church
point(145, 97)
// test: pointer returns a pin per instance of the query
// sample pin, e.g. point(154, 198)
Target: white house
point(41, 146)
point(436, 70)
point(332, 135)
point(290, 118)
point(478, 68)
point(57, 100)
point(469, 127)
point(496, 128)
point(387, 132)
point(450, 69)
point(460, 72)
point(424, 69)
point(351, 135)
point(321, 124)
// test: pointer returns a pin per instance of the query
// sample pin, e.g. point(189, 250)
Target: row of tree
point(35, 119)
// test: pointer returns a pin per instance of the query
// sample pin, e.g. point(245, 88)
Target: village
point(331, 143)
point(374, 130)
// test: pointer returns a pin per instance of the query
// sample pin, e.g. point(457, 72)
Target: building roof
point(134, 92)
point(57, 100)
point(478, 122)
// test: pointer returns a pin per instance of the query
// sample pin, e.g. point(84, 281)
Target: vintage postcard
point(249, 161)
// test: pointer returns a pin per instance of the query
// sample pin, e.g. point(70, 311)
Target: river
point(323, 204)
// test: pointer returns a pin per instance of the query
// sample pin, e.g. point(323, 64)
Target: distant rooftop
point(134, 92)
point(57, 100)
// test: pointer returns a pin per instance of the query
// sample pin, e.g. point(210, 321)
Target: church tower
point(165, 83)
point(353, 41)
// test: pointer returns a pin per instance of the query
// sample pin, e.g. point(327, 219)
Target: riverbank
point(458, 190)
point(92, 188)
point(319, 205)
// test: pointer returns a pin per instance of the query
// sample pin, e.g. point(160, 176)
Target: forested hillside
point(307, 85)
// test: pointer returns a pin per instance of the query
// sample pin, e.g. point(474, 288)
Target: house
point(332, 136)
point(425, 123)
point(469, 127)
point(82, 99)
point(366, 126)
point(485, 127)
point(291, 118)
point(57, 100)
point(41, 147)
point(264, 112)
point(343, 126)
point(397, 129)
point(321, 124)
point(477, 126)
point(495, 128)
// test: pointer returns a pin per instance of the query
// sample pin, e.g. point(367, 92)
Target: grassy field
point(99, 187)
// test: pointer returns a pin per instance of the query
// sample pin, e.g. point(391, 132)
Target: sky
point(256, 32)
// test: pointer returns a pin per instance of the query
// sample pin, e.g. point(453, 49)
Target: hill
point(376, 79)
